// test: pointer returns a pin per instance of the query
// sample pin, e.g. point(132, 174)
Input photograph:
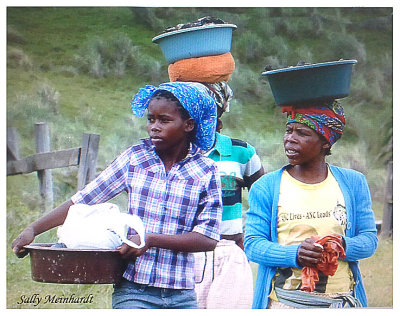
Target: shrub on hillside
point(13, 36)
point(369, 86)
point(266, 27)
point(49, 97)
point(17, 58)
point(106, 57)
point(386, 66)
point(158, 19)
point(27, 110)
point(301, 53)
point(277, 48)
point(272, 62)
point(295, 27)
point(386, 153)
point(247, 85)
point(317, 24)
point(382, 23)
point(249, 47)
point(346, 46)
point(115, 57)
point(148, 68)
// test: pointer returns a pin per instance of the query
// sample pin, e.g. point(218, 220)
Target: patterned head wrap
point(222, 94)
point(200, 105)
point(220, 91)
point(327, 120)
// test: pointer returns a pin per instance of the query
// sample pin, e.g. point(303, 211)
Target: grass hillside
point(78, 68)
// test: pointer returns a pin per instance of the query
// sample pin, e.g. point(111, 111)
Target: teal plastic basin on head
point(311, 83)
point(197, 41)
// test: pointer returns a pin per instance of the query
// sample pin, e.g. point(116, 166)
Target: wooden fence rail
point(42, 161)
point(85, 157)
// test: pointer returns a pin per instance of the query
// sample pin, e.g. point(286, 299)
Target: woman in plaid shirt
point(174, 189)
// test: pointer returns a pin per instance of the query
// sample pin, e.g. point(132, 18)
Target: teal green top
point(236, 161)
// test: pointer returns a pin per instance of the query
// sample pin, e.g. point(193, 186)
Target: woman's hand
point(52, 219)
point(23, 239)
point(309, 253)
point(130, 253)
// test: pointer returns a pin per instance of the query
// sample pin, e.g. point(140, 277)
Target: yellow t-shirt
point(306, 210)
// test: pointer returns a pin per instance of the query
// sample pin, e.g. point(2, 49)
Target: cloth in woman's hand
point(333, 251)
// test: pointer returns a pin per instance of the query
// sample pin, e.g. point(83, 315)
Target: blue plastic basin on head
point(310, 83)
point(197, 41)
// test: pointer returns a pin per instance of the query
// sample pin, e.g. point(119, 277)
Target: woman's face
point(167, 129)
point(303, 145)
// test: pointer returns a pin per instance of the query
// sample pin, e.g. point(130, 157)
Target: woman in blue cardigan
point(291, 208)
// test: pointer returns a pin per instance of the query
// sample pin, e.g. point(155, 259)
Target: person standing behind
point(171, 186)
point(224, 276)
point(291, 208)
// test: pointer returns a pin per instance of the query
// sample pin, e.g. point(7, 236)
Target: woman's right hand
point(23, 239)
point(129, 253)
point(52, 219)
point(309, 253)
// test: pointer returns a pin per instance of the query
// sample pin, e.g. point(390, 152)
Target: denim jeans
point(128, 295)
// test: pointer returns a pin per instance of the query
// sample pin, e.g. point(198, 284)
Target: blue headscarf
point(200, 105)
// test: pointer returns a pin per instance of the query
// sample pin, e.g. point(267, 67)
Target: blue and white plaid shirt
point(186, 199)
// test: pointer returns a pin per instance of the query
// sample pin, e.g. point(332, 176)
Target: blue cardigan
point(261, 245)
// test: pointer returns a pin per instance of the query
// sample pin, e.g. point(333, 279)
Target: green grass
point(377, 273)
point(43, 45)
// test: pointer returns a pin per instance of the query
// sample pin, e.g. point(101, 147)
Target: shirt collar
point(147, 143)
point(223, 144)
point(193, 149)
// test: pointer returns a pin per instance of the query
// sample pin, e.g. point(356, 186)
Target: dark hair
point(163, 94)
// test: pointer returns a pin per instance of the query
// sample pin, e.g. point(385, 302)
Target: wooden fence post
point(88, 159)
point(45, 160)
point(12, 143)
point(42, 140)
point(387, 220)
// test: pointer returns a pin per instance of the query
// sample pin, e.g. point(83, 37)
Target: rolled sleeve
point(209, 217)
